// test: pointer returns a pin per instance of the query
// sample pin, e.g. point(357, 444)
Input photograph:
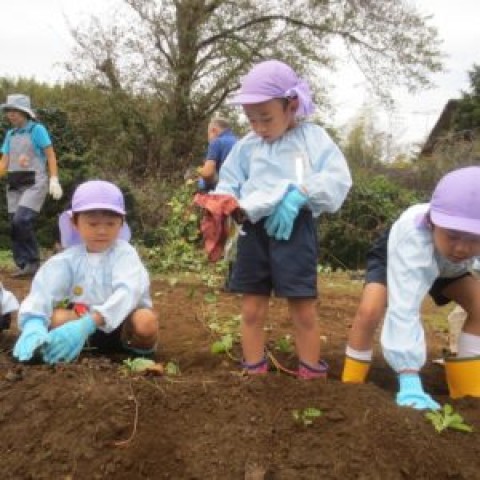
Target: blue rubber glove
point(411, 393)
point(34, 335)
point(66, 342)
point(280, 223)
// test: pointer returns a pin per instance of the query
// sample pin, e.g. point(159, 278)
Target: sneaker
point(29, 270)
point(260, 368)
point(307, 372)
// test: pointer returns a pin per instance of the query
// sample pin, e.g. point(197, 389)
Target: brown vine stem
point(125, 443)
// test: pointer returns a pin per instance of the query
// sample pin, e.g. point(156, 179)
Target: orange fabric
point(213, 226)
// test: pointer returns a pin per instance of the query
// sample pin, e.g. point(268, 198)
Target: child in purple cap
point(429, 249)
point(96, 291)
point(285, 173)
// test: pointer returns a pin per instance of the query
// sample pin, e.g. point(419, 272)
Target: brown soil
point(91, 421)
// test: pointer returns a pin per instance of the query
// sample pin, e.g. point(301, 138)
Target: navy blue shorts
point(289, 268)
point(376, 271)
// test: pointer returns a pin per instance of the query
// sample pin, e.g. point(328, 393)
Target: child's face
point(16, 118)
point(455, 246)
point(270, 120)
point(98, 229)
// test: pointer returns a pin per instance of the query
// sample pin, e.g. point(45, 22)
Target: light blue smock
point(259, 173)
point(112, 283)
point(413, 265)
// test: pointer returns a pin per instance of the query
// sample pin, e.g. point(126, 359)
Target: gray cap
point(18, 101)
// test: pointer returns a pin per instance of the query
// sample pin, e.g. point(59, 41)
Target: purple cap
point(273, 79)
point(455, 202)
point(98, 195)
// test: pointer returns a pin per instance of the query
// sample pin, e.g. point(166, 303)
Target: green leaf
point(218, 347)
point(138, 364)
point(210, 297)
point(461, 426)
point(172, 369)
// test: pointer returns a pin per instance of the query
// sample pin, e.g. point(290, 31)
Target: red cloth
point(214, 226)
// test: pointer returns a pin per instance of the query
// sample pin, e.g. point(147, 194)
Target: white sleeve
point(129, 283)
point(411, 271)
point(329, 182)
point(9, 302)
point(232, 175)
point(50, 286)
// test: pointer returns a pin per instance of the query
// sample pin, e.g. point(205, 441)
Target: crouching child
point(95, 292)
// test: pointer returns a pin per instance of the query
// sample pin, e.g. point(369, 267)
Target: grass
point(6, 259)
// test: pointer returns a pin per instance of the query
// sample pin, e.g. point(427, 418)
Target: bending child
point(429, 249)
point(8, 305)
point(285, 173)
point(96, 291)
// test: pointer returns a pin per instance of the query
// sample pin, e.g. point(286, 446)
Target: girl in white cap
point(27, 151)
point(97, 290)
point(284, 174)
point(429, 250)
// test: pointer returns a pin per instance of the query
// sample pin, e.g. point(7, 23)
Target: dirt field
point(91, 421)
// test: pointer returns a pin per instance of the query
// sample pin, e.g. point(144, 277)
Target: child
point(429, 249)
point(284, 174)
point(26, 151)
point(96, 291)
point(8, 305)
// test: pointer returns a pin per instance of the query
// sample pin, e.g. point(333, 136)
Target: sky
point(36, 42)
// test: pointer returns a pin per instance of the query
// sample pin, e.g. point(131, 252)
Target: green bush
point(372, 205)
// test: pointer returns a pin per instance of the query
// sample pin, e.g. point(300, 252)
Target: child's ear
point(73, 222)
point(293, 106)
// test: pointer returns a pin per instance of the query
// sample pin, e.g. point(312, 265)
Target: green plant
point(284, 344)
point(306, 416)
point(447, 418)
point(137, 365)
point(172, 369)
point(224, 345)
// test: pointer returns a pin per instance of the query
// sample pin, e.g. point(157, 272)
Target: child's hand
point(66, 342)
point(280, 223)
point(411, 393)
point(34, 335)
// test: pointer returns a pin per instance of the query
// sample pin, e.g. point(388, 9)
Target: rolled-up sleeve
point(329, 181)
point(411, 271)
point(129, 282)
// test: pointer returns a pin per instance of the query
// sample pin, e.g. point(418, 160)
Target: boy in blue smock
point(284, 174)
point(430, 249)
point(96, 291)
point(26, 153)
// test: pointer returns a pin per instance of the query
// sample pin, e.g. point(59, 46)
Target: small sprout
point(210, 297)
point(284, 344)
point(306, 416)
point(137, 365)
point(447, 418)
point(224, 345)
point(172, 369)
point(172, 281)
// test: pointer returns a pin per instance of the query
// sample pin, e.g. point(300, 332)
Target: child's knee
point(254, 311)
point(145, 323)
point(368, 317)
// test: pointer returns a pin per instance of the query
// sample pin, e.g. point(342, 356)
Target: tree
point(467, 116)
point(190, 54)
point(364, 146)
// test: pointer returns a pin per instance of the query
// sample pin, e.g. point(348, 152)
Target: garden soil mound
point(92, 420)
